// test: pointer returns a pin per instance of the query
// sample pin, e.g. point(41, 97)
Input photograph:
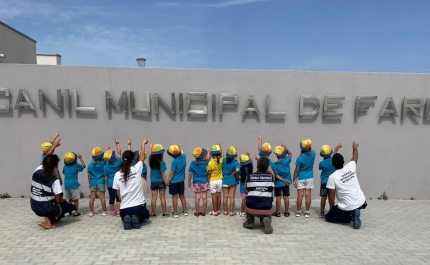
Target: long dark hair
point(155, 161)
point(127, 158)
point(217, 157)
point(245, 171)
point(50, 162)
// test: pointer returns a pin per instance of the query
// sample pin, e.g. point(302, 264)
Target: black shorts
point(323, 190)
point(282, 191)
point(177, 188)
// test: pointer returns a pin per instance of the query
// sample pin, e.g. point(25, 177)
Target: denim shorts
point(98, 187)
point(158, 186)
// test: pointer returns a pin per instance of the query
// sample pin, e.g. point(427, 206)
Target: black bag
point(54, 209)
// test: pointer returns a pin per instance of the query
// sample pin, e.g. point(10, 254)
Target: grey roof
point(17, 31)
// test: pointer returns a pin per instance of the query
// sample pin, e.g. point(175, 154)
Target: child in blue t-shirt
point(158, 178)
point(198, 173)
point(303, 176)
point(113, 163)
point(230, 169)
point(177, 178)
point(48, 148)
point(327, 169)
point(246, 169)
point(265, 150)
point(137, 159)
point(71, 184)
point(97, 180)
point(283, 179)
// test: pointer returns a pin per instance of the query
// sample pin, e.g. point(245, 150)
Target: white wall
point(393, 152)
point(48, 59)
point(17, 48)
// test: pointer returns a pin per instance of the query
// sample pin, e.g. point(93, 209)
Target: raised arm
point(118, 148)
point(142, 150)
point(129, 145)
point(182, 147)
point(150, 149)
point(220, 148)
point(56, 135)
point(354, 152)
point(55, 144)
point(82, 160)
point(260, 142)
point(288, 150)
point(339, 146)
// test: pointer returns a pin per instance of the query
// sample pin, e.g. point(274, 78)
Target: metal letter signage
point(250, 110)
point(159, 100)
point(6, 107)
point(308, 114)
point(413, 105)
point(389, 108)
point(231, 103)
point(139, 111)
point(362, 104)
point(273, 115)
point(81, 110)
point(121, 105)
point(23, 101)
point(427, 110)
point(197, 96)
point(43, 95)
point(332, 102)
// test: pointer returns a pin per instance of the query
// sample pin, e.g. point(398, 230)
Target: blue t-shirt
point(96, 170)
point(156, 173)
point(70, 173)
point(227, 170)
point(178, 165)
point(200, 171)
point(306, 163)
point(110, 169)
point(144, 170)
point(283, 170)
point(273, 166)
point(327, 169)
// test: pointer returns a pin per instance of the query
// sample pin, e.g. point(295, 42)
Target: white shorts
point(73, 194)
point(305, 184)
point(215, 186)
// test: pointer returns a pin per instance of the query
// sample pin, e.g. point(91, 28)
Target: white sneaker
point(298, 214)
point(307, 214)
point(105, 213)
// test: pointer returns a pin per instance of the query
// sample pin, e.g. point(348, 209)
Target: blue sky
point(316, 35)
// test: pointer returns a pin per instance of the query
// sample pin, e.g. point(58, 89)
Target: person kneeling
point(259, 198)
point(128, 186)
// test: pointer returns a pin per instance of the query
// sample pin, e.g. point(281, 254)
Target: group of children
point(210, 171)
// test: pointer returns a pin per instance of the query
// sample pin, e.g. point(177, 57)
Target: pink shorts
point(243, 195)
point(200, 187)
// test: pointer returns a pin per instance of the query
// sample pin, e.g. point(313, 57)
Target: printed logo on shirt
point(130, 177)
point(347, 176)
point(260, 177)
point(35, 191)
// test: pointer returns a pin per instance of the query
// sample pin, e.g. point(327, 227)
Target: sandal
point(196, 214)
point(232, 213)
point(225, 212)
point(213, 213)
point(46, 226)
point(276, 214)
point(286, 214)
point(202, 214)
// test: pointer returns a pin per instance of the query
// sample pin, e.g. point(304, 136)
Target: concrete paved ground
point(392, 232)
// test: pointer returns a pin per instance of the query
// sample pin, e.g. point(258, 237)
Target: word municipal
point(196, 104)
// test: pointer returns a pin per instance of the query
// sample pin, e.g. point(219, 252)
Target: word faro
point(196, 104)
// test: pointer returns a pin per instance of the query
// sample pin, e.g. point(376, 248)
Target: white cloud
point(216, 4)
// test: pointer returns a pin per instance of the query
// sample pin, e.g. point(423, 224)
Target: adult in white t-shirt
point(343, 184)
point(128, 185)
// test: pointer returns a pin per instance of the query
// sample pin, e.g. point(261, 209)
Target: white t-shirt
point(131, 191)
point(56, 187)
point(348, 192)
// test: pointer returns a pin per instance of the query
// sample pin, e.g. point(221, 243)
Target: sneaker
point(298, 214)
point(105, 213)
point(268, 229)
point(248, 224)
point(164, 215)
point(307, 214)
point(242, 215)
point(135, 224)
point(356, 222)
point(91, 214)
point(127, 222)
point(113, 213)
point(175, 215)
point(322, 215)
point(118, 214)
point(153, 215)
point(185, 213)
point(77, 214)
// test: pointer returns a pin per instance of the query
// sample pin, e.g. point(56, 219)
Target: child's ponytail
point(127, 159)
